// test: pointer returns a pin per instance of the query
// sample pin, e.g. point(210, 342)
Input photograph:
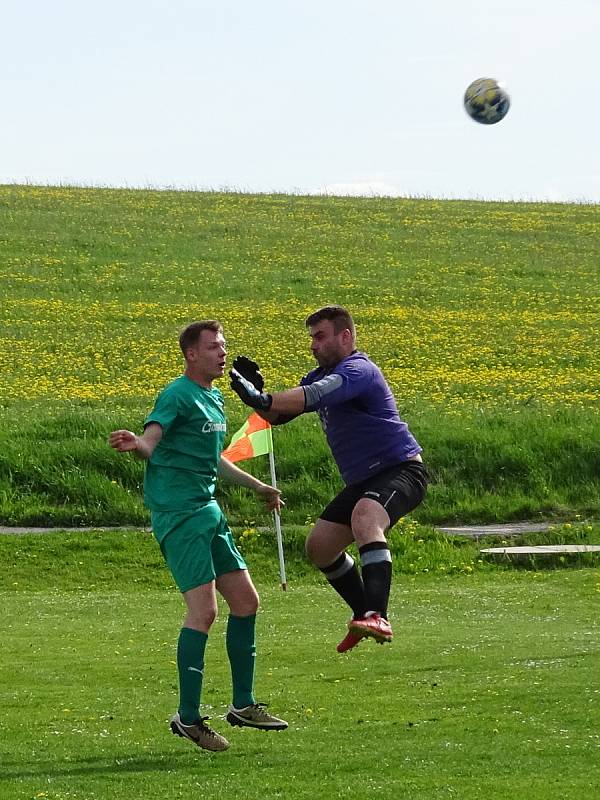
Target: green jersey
point(181, 474)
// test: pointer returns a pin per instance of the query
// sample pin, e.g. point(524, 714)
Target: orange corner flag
point(254, 438)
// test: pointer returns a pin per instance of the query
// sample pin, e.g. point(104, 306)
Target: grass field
point(490, 688)
point(484, 317)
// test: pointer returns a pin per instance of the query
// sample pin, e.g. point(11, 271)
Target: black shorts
point(399, 489)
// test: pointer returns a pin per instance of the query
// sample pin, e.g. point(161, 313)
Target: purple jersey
point(359, 416)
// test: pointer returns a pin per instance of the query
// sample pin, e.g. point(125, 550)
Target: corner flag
point(255, 438)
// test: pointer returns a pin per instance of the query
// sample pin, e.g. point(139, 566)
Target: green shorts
point(198, 545)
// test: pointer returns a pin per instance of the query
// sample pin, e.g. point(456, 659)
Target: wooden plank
point(498, 529)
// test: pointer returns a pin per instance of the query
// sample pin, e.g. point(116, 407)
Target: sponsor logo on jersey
point(214, 427)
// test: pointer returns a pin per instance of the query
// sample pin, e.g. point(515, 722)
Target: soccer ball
point(486, 101)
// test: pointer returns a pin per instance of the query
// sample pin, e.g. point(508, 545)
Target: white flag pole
point(277, 521)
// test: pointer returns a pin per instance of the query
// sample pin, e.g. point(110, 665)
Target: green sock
point(241, 649)
point(190, 663)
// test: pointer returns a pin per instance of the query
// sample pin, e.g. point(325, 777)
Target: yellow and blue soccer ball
point(486, 101)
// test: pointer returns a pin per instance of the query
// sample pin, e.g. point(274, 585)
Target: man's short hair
point(338, 315)
point(189, 337)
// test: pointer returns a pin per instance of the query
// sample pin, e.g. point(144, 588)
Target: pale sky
point(308, 96)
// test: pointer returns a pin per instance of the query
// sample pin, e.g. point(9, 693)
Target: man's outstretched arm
point(276, 408)
point(141, 446)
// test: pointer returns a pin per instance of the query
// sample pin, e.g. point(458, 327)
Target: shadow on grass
point(97, 766)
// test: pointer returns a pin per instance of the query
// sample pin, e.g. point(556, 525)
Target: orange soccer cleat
point(373, 625)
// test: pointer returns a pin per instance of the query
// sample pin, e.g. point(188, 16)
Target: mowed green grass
point(490, 687)
point(483, 316)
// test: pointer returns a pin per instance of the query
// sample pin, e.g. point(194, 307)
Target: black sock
point(376, 561)
point(345, 579)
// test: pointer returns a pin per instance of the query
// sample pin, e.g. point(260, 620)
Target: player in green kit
point(182, 442)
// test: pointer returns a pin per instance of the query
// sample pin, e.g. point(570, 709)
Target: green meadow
point(483, 316)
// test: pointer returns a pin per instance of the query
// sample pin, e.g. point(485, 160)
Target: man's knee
point(200, 618)
point(326, 542)
point(245, 604)
point(239, 593)
point(370, 521)
point(311, 547)
point(253, 604)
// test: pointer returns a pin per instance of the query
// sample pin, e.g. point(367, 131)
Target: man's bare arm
point(233, 474)
point(141, 446)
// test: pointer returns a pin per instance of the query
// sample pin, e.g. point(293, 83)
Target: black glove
point(248, 393)
point(250, 370)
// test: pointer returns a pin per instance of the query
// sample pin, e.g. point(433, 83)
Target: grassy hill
point(483, 316)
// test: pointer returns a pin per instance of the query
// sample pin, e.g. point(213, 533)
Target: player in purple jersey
point(378, 458)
